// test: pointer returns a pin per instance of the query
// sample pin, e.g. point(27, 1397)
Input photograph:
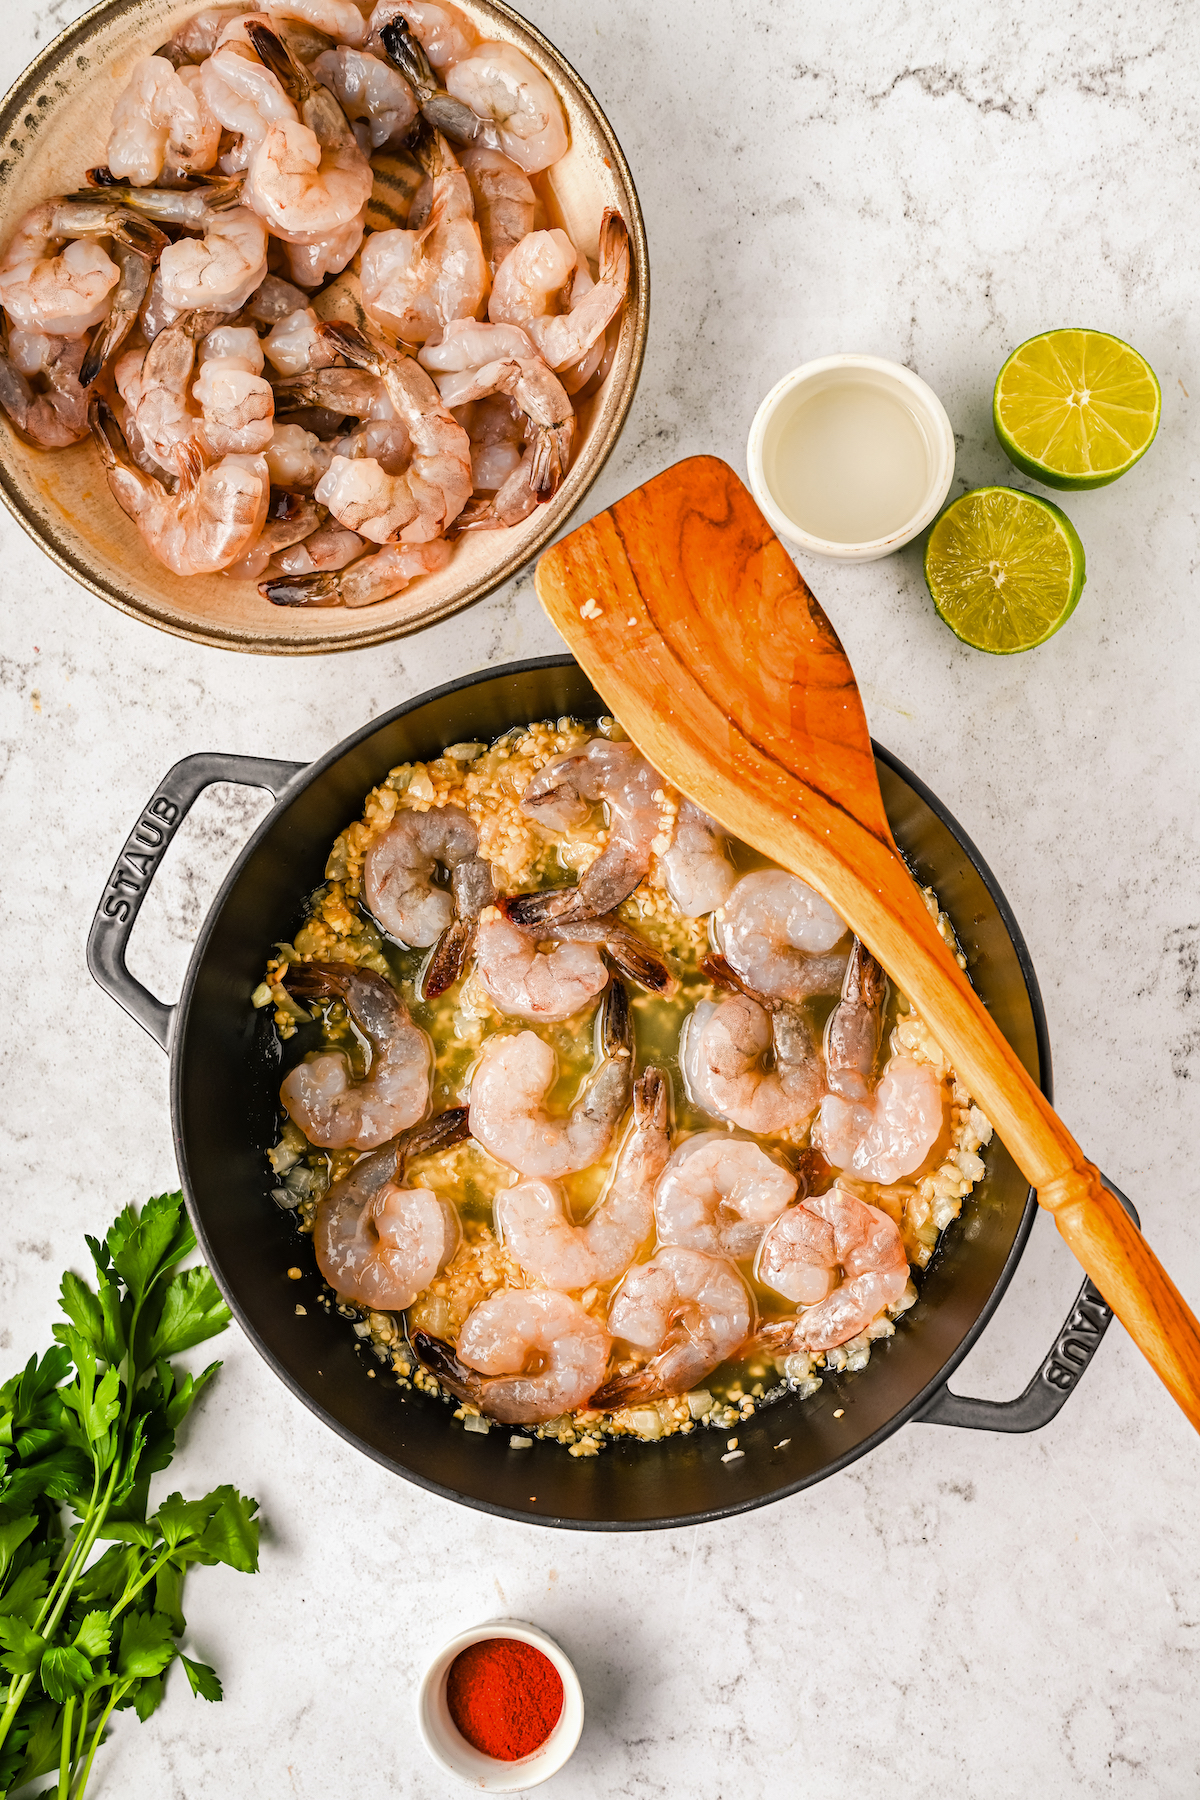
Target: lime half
point(1005, 569)
point(1075, 409)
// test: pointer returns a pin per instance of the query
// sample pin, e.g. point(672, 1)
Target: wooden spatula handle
point(1133, 1281)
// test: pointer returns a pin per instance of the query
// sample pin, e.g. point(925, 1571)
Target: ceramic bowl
point(54, 126)
point(889, 378)
point(452, 1751)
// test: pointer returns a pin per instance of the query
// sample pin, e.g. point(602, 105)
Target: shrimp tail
point(551, 458)
point(651, 1100)
point(614, 250)
point(449, 958)
point(550, 904)
point(616, 1024)
point(629, 953)
point(441, 1132)
point(776, 1336)
point(271, 50)
point(137, 246)
point(622, 1390)
point(324, 981)
point(721, 975)
point(438, 1357)
point(438, 108)
point(302, 590)
point(351, 343)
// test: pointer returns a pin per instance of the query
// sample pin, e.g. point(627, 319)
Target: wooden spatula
point(689, 617)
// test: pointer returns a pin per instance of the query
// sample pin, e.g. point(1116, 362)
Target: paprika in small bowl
point(501, 1707)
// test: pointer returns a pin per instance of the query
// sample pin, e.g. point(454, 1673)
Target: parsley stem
point(64, 1761)
point(119, 1689)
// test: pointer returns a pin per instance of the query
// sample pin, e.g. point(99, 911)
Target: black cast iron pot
point(225, 1073)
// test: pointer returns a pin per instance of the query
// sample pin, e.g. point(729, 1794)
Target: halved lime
point(1075, 409)
point(1005, 569)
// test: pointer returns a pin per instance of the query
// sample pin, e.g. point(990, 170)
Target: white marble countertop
point(966, 1613)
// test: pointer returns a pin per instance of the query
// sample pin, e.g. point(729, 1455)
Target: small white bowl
point(448, 1747)
point(828, 372)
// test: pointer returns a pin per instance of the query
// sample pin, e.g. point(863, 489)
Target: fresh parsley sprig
point(82, 1430)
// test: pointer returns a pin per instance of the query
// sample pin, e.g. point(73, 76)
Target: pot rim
point(915, 1406)
point(63, 550)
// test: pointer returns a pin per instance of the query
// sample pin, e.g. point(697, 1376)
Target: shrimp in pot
point(61, 293)
point(855, 1028)
point(801, 1256)
point(526, 985)
point(398, 887)
point(414, 283)
point(513, 1077)
point(56, 414)
point(369, 580)
point(890, 1136)
point(308, 179)
point(534, 1225)
point(444, 33)
point(522, 1357)
point(329, 1106)
point(721, 1051)
point(369, 89)
point(378, 1242)
point(505, 202)
point(779, 937)
point(630, 953)
point(688, 1310)
point(561, 796)
point(212, 518)
point(719, 1193)
point(536, 272)
point(162, 122)
point(438, 482)
point(238, 404)
point(700, 876)
point(503, 89)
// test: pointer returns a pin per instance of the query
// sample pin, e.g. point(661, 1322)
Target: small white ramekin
point(925, 408)
point(448, 1747)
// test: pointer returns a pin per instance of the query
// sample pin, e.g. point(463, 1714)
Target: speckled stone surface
point(961, 1613)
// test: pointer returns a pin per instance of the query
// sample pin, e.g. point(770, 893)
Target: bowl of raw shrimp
point(279, 1219)
point(317, 322)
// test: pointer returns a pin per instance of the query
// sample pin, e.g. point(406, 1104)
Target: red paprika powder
point(505, 1697)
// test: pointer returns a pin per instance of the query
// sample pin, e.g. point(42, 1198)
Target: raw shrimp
point(219, 271)
point(778, 937)
point(445, 34)
point(368, 88)
point(496, 428)
point(630, 953)
point(212, 518)
point(468, 345)
point(308, 179)
point(561, 796)
point(238, 404)
point(800, 1261)
point(415, 282)
point(155, 386)
point(699, 874)
point(341, 20)
point(196, 38)
point(891, 1135)
point(689, 1310)
point(513, 1077)
point(330, 547)
point(342, 391)
point(310, 262)
point(505, 202)
point(503, 88)
point(331, 1108)
point(537, 271)
point(525, 985)
point(398, 887)
point(547, 407)
point(439, 109)
point(275, 301)
point(372, 578)
point(721, 1051)
point(439, 478)
point(61, 295)
point(247, 98)
point(534, 1225)
point(290, 344)
point(523, 1357)
point(58, 415)
point(361, 494)
point(379, 1243)
point(162, 122)
point(136, 249)
point(296, 458)
point(290, 519)
point(719, 1193)
point(384, 441)
point(855, 1028)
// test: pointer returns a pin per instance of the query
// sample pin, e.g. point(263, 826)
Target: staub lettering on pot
point(138, 860)
point(1078, 1340)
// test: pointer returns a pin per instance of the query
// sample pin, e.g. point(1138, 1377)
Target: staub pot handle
point(139, 862)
